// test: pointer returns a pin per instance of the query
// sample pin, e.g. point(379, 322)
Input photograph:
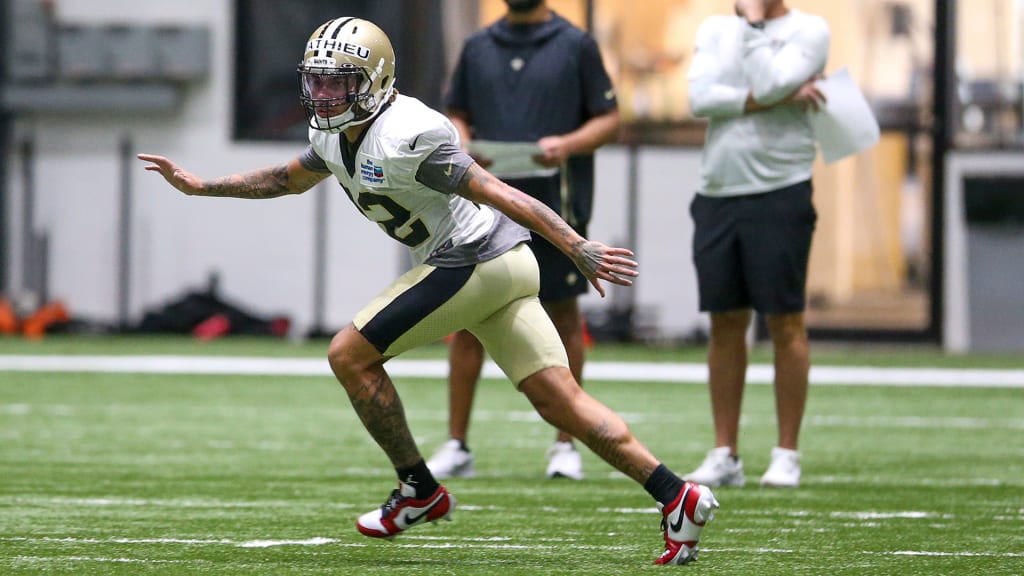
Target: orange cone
point(49, 314)
point(588, 340)
point(8, 319)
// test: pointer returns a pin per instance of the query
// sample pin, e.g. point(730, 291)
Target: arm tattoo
point(264, 183)
point(300, 184)
point(587, 257)
point(553, 221)
point(524, 210)
point(475, 175)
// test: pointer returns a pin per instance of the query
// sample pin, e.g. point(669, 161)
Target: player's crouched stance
point(402, 166)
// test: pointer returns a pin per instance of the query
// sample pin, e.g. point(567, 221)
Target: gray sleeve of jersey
point(444, 168)
point(312, 161)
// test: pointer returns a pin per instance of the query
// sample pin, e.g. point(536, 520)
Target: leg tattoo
point(377, 403)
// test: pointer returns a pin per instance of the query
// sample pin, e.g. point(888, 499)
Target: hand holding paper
point(510, 159)
point(845, 124)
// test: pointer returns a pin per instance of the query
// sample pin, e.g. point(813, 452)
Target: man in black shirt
point(532, 77)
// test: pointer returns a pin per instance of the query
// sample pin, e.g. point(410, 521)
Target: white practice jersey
point(766, 150)
point(380, 178)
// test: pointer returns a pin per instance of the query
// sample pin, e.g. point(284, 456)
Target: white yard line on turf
point(64, 560)
point(459, 543)
point(613, 371)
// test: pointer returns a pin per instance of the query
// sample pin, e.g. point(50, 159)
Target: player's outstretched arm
point(269, 182)
point(595, 260)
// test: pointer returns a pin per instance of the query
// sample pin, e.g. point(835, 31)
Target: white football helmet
point(347, 74)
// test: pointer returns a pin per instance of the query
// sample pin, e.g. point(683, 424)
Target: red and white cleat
point(683, 520)
point(403, 511)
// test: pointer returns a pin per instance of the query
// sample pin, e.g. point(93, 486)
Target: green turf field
point(179, 474)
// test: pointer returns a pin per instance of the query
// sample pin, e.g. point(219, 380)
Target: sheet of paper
point(510, 159)
point(845, 125)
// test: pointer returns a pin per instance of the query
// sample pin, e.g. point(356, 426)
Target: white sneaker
point(784, 471)
point(718, 469)
point(451, 461)
point(564, 461)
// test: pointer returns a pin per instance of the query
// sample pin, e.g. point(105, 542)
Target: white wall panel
point(263, 250)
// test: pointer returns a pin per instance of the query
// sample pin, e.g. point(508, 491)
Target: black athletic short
point(751, 251)
point(559, 277)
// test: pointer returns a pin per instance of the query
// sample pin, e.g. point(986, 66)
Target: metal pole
point(944, 98)
point(6, 123)
point(29, 264)
point(5, 147)
point(625, 300)
point(124, 277)
point(319, 261)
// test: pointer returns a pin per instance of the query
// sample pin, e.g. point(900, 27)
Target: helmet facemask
point(347, 74)
point(335, 98)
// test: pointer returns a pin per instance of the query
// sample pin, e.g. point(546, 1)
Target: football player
point(402, 166)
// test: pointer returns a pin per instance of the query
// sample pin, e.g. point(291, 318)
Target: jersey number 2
point(399, 217)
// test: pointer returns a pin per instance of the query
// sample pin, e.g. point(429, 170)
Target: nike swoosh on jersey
point(609, 94)
point(448, 172)
point(412, 145)
point(678, 524)
point(410, 519)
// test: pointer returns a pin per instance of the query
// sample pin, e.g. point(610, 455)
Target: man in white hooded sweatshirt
point(753, 77)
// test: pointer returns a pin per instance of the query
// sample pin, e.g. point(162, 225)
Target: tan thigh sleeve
point(521, 339)
point(429, 329)
point(498, 303)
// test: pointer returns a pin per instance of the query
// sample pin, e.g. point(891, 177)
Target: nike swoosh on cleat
point(410, 519)
point(678, 524)
point(412, 145)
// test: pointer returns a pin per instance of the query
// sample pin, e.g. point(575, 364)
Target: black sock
point(663, 485)
point(419, 477)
